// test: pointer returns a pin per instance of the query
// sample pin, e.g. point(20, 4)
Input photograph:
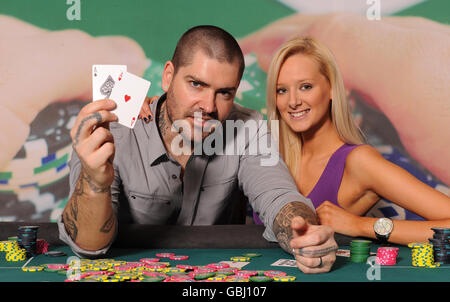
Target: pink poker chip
point(135, 263)
point(218, 265)
point(149, 260)
point(179, 257)
point(58, 266)
point(186, 266)
point(274, 273)
point(165, 255)
point(246, 273)
point(204, 270)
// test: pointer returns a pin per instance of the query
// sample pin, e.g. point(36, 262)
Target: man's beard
point(184, 128)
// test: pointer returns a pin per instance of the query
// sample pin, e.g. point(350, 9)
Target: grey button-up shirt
point(147, 188)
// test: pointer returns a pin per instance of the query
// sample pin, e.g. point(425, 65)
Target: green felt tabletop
point(343, 270)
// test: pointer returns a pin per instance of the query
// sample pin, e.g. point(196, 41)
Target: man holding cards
point(133, 172)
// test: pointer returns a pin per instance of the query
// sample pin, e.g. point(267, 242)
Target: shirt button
point(174, 176)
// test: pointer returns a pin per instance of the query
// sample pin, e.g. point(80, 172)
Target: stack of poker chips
point(387, 256)
point(359, 250)
point(441, 245)
point(13, 251)
point(27, 237)
point(422, 255)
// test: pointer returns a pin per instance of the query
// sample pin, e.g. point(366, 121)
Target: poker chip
point(218, 265)
point(153, 279)
point(32, 268)
point(246, 273)
point(179, 257)
point(386, 256)
point(274, 273)
point(57, 266)
point(422, 255)
point(27, 237)
point(260, 279)
point(251, 255)
point(227, 271)
point(359, 250)
point(149, 260)
point(165, 255)
point(55, 254)
point(441, 245)
point(284, 278)
point(237, 279)
point(202, 276)
point(205, 270)
point(125, 276)
point(240, 258)
point(186, 266)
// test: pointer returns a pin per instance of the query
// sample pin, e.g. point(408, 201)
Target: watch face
point(383, 226)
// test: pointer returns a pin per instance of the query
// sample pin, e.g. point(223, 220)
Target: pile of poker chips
point(156, 270)
point(422, 255)
point(441, 245)
point(359, 250)
point(13, 251)
point(386, 256)
point(27, 237)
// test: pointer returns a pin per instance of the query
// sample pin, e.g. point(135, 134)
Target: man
point(138, 176)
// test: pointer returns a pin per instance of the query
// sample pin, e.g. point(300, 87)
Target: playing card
point(104, 78)
point(129, 94)
point(285, 263)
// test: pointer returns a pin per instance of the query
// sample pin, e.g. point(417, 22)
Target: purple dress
point(327, 187)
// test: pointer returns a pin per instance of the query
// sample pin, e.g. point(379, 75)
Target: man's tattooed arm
point(71, 212)
point(282, 223)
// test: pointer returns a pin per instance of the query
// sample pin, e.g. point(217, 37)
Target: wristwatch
point(383, 228)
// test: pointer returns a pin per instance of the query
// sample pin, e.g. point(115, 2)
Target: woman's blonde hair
point(290, 142)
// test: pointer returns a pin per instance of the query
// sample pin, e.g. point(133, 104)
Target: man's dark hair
point(213, 41)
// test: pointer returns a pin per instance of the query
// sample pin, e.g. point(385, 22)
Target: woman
point(325, 151)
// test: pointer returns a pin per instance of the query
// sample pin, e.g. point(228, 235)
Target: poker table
point(211, 244)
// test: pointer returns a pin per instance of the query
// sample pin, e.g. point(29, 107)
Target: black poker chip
point(55, 254)
point(441, 245)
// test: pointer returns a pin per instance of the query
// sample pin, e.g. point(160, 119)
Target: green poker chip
point(203, 276)
point(260, 279)
point(251, 255)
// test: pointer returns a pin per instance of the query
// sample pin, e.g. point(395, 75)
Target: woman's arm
point(368, 169)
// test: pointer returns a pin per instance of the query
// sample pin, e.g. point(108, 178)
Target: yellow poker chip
point(32, 268)
point(240, 258)
point(284, 278)
point(111, 280)
point(125, 276)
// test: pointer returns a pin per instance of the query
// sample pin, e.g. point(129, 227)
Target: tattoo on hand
point(95, 115)
point(316, 253)
point(282, 223)
point(107, 226)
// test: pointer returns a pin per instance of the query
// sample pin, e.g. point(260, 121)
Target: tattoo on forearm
point(95, 115)
point(282, 223)
point(108, 225)
point(71, 226)
point(85, 177)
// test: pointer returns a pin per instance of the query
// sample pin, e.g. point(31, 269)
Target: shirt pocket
point(150, 209)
